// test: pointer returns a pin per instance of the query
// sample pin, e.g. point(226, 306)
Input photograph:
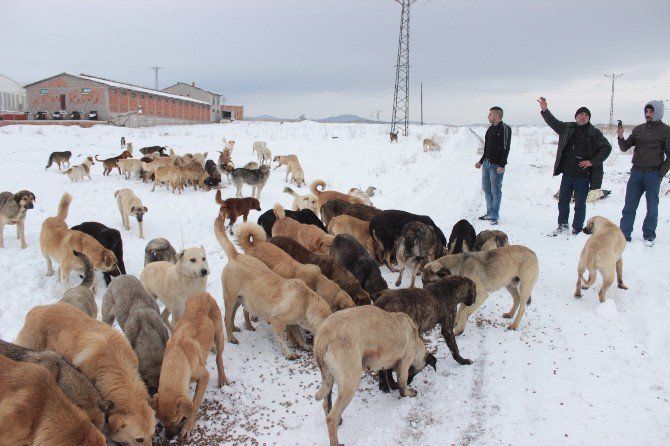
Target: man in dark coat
point(582, 149)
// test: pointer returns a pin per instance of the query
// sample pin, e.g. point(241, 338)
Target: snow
point(576, 372)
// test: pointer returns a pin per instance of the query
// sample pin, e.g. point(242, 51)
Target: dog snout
point(204, 272)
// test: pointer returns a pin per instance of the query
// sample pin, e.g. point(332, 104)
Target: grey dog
point(256, 178)
point(139, 318)
point(159, 249)
point(83, 295)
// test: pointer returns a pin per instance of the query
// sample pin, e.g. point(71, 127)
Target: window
point(132, 95)
point(44, 91)
point(85, 91)
point(123, 93)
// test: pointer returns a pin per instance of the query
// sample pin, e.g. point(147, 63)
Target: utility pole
point(401, 92)
point(613, 76)
point(421, 104)
point(155, 68)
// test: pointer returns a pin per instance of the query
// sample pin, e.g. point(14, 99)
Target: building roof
point(193, 86)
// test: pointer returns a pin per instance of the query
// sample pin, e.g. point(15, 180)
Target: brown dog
point(111, 163)
point(33, 410)
point(13, 209)
point(58, 242)
point(59, 158)
point(359, 229)
point(286, 304)
point(308, 236)
point(325, 195)
point(602, 252)
point(104, 356)
point(185, 361)
point(236, 207)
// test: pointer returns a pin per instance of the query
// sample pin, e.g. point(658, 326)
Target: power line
point(613, 76)
point(401, 90)
point(155, 68)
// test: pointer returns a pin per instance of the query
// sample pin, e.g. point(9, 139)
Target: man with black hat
point(582, 150)
point(651, 161)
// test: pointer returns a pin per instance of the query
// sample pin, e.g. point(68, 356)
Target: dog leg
point(580, 273)
point(200, 387)
point(50, 268)
point(525, 289)
point(231, 304)
point(141, 226)
point(403, 373)
point(619, 274)
point(450, 339)
point(608, 279)
point(247, 321)
point(166, 316)
point(401, 270)
point(295, 332)
point(222, 379)
point(280, 333)
point(345, 393)
point(465, 311)
point(512, 289)
point(2, 239)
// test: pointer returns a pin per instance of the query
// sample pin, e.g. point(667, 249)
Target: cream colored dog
point(172, 283)
point(283, 160)
point(602, 252)
point(80, 171)
point(129, 166)
point(307, 201)
point(429, 144)
point(129, 205)
point(297, 175)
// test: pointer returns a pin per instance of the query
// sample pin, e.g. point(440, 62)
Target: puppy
point(13, 210)
point(186, 361)
point(602, 252)
point(285, 304)
point(283, 160)
point(35, 411)
point(365, 338)
point(105, 357)
point(159, 249)
point(325, 195)
point(335, 207)
point(490, 239)
point(355, 259)
point(80, 171)
point(130, 166)
point(172, 283)
point(110, 163)
point(297, 174)
point(359, 229)
point(139, 317)
point(74, 385)
point(462, 238)
point(418, 244)
point(514, 267)
point(59, 158)
point(236, 207)
point(57, 242)
point(308, 201)
point(129, 205)
point(268, 218)
point(110, 239)
point(365, 196)
point(83, 296)
point(310, 237)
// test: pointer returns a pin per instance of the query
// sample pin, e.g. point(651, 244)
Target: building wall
point(237, 111)
point(201, 95)
point(12, 95)
point(46, 95)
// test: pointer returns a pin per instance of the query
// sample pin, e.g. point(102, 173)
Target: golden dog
point(129, 205)
point(294, 169)
point(602, 252)
point(325, 195)
point(185, 361)
point(283, 160)
point(359, 229)
point(308, 236)
point(104, 356)
point(171, 175)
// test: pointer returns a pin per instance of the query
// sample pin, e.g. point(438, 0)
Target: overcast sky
point(325, 58)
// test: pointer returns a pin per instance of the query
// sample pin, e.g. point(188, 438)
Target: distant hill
point(342, 119)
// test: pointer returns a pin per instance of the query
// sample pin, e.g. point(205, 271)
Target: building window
point(132, 95)
point(123, 93)
point(85, 91)
point(44, 91)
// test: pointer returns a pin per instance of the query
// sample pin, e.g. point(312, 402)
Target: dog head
point(89, 161)
point(138, 212)
point(125, 154)
point(107, 262)
point(308, 201)
point(422, 357)
point(172, 412)
point(110, 238)
point(437, 269)
point(132, 429)
point(192, 262)
point(325, 243)
point(595, 224)
point(253, 203)
point(25, 199)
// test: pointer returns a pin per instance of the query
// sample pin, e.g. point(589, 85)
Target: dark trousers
point(639, 182)
point(580, 186)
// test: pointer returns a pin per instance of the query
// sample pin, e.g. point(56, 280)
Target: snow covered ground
point(576, 372)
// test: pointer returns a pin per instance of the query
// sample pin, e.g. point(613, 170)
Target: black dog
point(462, 238)
point(333, 208)
point(214, 174)
point(306, 216)
point(436, 303)
point(110, 239)
point(356, 259)
point(152, 149)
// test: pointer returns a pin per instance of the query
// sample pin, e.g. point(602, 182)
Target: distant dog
point(13, 210)
point(335, 207)
point(196, 174)
point(355, 340)
point(393, 136)
point(152, 149)
point(172, 175)
point(258, 147)
point(307, 201)
point(514, 267)
point(237, 207)
point(324, 195)
point(307, 235)
point(254, 178)
point(159, 249)
point(363, 195)
point(80, 171)
point(59, 158)
point(462, 238)
point(186, 361)
point(138, 315)
point(490, 239)
point(355, 259)
point(602, 252)
point(110, 239)
point(418, 244)
point(123, 142)
point(283, 160)
point(306, 216)
point(110, 163)
point(429, 144)
point(83, 296)
point(129, 205)
point(295, 171)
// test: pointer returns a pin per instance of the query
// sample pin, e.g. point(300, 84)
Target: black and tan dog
point(59, 158)
point(268, 218)
point(462, 238)
point(356, 259)
point(13, 209)
point(109, 238)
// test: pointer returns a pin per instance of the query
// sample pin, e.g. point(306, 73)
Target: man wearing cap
point(582, 149)
point(651, 161)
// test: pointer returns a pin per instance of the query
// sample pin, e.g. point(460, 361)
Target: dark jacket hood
point(658, 109)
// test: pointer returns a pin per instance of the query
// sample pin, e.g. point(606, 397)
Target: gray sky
point(325, 57)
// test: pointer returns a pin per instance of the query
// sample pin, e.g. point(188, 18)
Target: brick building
point(191, 91)
point(232, 112)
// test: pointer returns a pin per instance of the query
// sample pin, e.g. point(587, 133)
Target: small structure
point(191, 91)
point(12, 99)
point(232, 112)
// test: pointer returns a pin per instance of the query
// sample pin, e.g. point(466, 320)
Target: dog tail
point(218, 198)
point(50, 162)
point(89, 271)
point(116, 194)
point(279, 211)
point(98, 160)
point(290, 191)
point(64, 206)
point(250, 234)
point(222, 238)
point(171, 152)
point(314, 187)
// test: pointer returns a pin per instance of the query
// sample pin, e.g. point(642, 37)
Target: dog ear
point(185, 406)
point(179, 256)
point(110, 259)
point(132, 209)
point(146, 209)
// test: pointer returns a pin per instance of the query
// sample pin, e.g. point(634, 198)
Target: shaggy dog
point(418, 244)
point(110, 163)
point(306, 216)
point(355, 340)
point(513, 267)
point(307, 201)
point(80, 171)
point(359, 229)
point(354, 258)
point(309, 236)
point(129, 205)
point(329, 267)
point(36, 412)
point(255, 178)
point(105, 357)
point(324, 195)
point(110, 239)
point(13, 209)
point(236, 207)
point(59, 158)
point(159, 249)
point(490, 239)
point(283, 160)
point(186, 361)
point(74, 385)
point(83, 296)
point(333, 208)
point(602, 252)
point(462, 238)
point(138, 315)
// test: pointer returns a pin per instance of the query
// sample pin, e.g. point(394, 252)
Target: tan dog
point(58, 242)
point(130, 166)
point(80, 171)
point(104, 356)
point(325, 195)
point(307, 201)
point(196, 174)
point(185, 361)
point(13, 209)
point(33, 410)
point(429, 145)
point(251, 165)
point(285, 304)
point(353, 341)
point(297, 175)
point(602, 252)
point(308, 236)
point(283, 160)
point(110, 163)
point(171, 175)
point(251, 238)
point(172, 283)
point(513, 267)
point(200, 158)
point(129, 205)
point(359, 229)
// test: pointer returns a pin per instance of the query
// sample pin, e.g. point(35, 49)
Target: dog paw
point(237, 329)
point(187, 431)
point(512, 326)
point(384, 389)
point(508, 315)
point(24, 246)
point(578, 294)
point(292, 356)
point(464, 361)
point(410, 393)
point(50, 273)
point(585, 287)
point(233, 340)
point(622, 286)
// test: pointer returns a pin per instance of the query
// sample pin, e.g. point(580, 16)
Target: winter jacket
point(652, 144)
point(496, 144)
point(598, 147)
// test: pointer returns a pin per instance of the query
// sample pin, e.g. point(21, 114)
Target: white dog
point(129, 205)
point(307, 201)
point(80, 171)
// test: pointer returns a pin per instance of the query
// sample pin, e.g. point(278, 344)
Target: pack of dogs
point(314, 268)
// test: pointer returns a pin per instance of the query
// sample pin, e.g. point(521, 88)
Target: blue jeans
point(492, 185)
point(639, 182)
point(580, 186)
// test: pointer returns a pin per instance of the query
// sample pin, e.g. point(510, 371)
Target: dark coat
point(110, 239)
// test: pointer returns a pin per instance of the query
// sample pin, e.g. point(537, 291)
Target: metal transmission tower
point(155, 68)
point(401, 94)
point(613, 76)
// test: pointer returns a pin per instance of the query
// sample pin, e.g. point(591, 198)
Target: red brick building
point(232, 112)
